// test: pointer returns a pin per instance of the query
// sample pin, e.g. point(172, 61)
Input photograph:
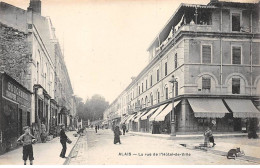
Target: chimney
point(133, 78)
point(35, 6)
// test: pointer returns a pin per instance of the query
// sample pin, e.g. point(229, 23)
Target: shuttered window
point(236, 55)
point(235, 85)
point(206, 84)
point(151, 81)
point(176, 61)
point(158, 97)
point(158, 75)
point(166, 93)
point(166, 69)
point(235, 22)
point(206, 53)
point(176, 89)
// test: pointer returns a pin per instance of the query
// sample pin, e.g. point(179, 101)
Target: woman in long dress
point(117, 135)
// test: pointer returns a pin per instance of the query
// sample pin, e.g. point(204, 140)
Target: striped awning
point(130, 118)
point(139, 116)
point(166, 111)
point(242, 108)
point(151, 111)
point(157, 112)
point(124, 119)
point(208, 108)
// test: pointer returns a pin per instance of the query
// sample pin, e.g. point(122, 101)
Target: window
point(157, 75)
point(142, 87)
point(165, 68)
point(235, 21)
point(175, 61)
point(236, 55)
point(158, 97)
point(146, 84)
point(139, 89)
point(206, 84)
point(206, 53)
point(166, 93)
point(176, 89)
point(151, 99)
point(235, 85)
point(151, 81)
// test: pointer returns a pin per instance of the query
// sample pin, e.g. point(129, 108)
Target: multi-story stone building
point(30, 53)
point(213, 52)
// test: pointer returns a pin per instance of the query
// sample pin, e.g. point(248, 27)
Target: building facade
point(213, 53)
point(30, 53)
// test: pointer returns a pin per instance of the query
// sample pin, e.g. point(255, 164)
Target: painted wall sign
point(16, 93)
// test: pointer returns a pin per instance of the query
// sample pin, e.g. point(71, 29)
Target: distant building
point(213, 51)
point(30, 53)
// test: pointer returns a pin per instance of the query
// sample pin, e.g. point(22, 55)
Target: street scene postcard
point(129, 82)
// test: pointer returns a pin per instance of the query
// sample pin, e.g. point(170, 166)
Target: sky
point(105, 41)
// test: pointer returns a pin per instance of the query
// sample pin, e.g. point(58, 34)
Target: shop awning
point(208, 108)
point(127, 120)
point(242, 108)
point(157, 112)
point(139, 116)
point(166, 111)
point(151, 111)
point(130, 118)
point(124, 119)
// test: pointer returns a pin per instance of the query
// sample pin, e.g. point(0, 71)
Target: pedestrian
point(209, 135)
point(63, 140)
point(117, 134)
point(124, 128)
point(96, 128)
point(43, 132)
point(252, 128)
point(27, 139)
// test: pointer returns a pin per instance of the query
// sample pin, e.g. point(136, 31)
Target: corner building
point(213, 51)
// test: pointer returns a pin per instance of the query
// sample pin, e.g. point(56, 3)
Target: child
point(209, 135)
point(27, 140)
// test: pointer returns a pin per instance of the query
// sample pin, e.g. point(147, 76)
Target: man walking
point(63, 140)
point(124, 128)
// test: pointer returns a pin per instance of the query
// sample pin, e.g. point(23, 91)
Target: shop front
point(15, 111)
point(222, 115)
point(42, 112)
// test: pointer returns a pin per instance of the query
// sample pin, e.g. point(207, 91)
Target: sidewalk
point(44, 153)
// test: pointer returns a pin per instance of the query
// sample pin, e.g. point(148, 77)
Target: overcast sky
point(105, 41)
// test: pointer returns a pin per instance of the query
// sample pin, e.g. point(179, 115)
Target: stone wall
point(15, 54)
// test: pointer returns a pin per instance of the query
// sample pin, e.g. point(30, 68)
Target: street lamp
point(173, 132)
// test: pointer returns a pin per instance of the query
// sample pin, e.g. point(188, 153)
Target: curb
point(67, 161)
point(189, 137)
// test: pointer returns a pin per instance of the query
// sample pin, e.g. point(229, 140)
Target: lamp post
point(173, 132)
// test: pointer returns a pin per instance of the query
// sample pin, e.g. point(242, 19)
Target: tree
point(93, 108)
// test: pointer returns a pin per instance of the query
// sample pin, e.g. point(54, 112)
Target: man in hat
point(63, 140)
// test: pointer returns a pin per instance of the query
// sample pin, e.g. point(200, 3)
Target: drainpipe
point(251, 65)
point(251, 56)
point(221, 50)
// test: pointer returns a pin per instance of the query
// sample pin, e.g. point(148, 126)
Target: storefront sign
point(16, 93)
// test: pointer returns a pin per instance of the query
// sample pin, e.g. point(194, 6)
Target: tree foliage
point(92, 109)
